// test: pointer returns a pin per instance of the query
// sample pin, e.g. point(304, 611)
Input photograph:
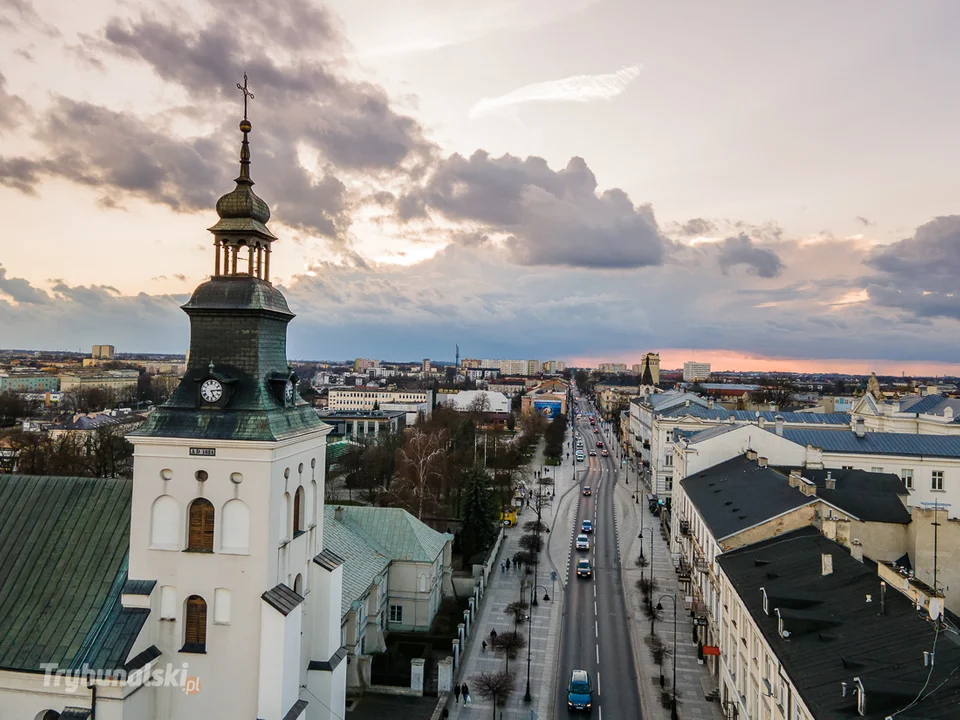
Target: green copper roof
point(395, 533)
point(363, 561)
point(63, 563)
point(240, 210)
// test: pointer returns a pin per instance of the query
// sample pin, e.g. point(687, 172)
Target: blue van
point(580, 691)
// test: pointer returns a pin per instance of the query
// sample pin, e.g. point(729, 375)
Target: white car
point(583, 542)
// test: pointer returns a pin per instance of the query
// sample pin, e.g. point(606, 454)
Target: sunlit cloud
point(577, 88)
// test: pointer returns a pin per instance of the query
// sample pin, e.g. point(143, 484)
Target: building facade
point(28, 382)
point(694, 371)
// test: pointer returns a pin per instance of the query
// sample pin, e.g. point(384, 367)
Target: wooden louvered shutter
point(201, 525)
point(297, 509)
point(196, 630)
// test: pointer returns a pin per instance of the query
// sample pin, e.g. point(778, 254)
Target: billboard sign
point(548, 408)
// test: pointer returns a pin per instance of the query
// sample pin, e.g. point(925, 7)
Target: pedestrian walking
point(502, 566)
point(493, 635)
point(466, 693)
point(484, 645)
point(456, 693)
point(508, 564)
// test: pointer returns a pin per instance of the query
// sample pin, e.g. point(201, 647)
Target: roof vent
point(779, 424)
point(762, 461)
point(338, 514)
point(860, 428)
point(826, 564)
point(751, 454)
point(728, 502)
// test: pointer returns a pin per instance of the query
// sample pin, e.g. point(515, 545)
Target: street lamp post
point(653, 616)
point(673, 690)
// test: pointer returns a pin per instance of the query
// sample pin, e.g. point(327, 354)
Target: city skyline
point(443, 187)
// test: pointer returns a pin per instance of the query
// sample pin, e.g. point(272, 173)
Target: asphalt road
point(595, 637)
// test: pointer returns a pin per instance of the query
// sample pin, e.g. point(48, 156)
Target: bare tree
point(496, 687)
point(421, 459)
point(509, 643)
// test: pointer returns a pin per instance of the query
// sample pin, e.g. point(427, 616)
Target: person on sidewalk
point(493, 635)
point(484, 645)
point(466, 693)
point(502, 566)
point(508, 564)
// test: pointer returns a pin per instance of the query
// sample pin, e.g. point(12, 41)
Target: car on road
point(604, 453)
point(593, 453)
point(595, 431)
point(583, 569)
point(599, 443)
point(586, 526)
point(580, 691)
point(580, 458)
point(587, 490)
point(583, 542)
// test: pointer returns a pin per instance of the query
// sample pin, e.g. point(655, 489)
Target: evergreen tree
point(480, 514)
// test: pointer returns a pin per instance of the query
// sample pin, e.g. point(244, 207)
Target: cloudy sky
point(760, 184)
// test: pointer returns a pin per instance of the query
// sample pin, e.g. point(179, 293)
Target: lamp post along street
point(653, 616)
point(673, 688)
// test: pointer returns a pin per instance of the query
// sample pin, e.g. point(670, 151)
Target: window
point(201, 526)
point(907, 476)
point(235, 531)
point(298, 523)
point(396, 613)
point(221, 606)
point(876, 469)
point(165, 524)
point(936, 480)
point(668, 483)
point(846, 467)
point(195, 633)
point(168, 602)
point(668, 460)
point(298, 585)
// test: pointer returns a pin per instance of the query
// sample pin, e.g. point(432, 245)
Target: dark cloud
point(697, 226)
point(13, 110)
point(21, 290)
point(306, 102)
point(919, 274)
point(741, 250)
point(552, 217)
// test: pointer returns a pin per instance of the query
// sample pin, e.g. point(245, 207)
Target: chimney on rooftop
point(795, 478)
point(831, 481)
point(860, 427)
point(751, 454)
point(826, 564)
point(856, 550)
point(779, 421)
point(773, 407)
point(761, 461)
point(710, 403)
point(338, 514)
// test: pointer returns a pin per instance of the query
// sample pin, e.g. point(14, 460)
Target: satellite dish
point(934, 608)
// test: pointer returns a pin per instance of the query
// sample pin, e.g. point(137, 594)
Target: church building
point(201, 589)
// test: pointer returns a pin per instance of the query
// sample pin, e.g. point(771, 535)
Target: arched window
point(200, 537)
point(165, 523)
point(235, 527)
point(195, 630)
point(298, 524)
point(47, 715)
point(298, 585)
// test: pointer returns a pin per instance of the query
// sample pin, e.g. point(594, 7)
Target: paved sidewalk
point(504, 588)
point(691, 702)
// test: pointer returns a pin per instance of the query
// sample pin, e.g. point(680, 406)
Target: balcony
point(702, 565)
point(685, 527)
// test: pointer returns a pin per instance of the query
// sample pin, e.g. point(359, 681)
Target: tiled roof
point(842, 635)
point(363, 558)
point(738, 494)
point(876, 443)
point(742, 416)
point(282, 599)
point(869, 496)
point(401, 535)
point(63, 565)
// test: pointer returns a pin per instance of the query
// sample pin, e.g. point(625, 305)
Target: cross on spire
point(246, 94)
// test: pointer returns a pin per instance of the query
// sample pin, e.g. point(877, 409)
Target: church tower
point(228, 487)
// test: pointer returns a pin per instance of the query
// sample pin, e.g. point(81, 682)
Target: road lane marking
point(598, 662)
point(595, 608)
point(596, 629)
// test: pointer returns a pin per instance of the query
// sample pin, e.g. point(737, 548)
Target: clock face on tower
point(211, 391)
point(288, 391)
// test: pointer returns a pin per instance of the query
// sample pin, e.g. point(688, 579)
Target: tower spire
point(243, 218)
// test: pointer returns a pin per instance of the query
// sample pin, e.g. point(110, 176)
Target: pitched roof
point(363, 559)
point(836, 635)
point(743, 416)
point(877, 443)
point(399, 535)
point(739, 494)
point(869, 496)
point(63, 566)
point(929, 405)
point(282, 599)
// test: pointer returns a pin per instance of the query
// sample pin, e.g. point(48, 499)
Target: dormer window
point(766, 603)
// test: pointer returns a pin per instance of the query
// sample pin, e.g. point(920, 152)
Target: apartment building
point(694, 371)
